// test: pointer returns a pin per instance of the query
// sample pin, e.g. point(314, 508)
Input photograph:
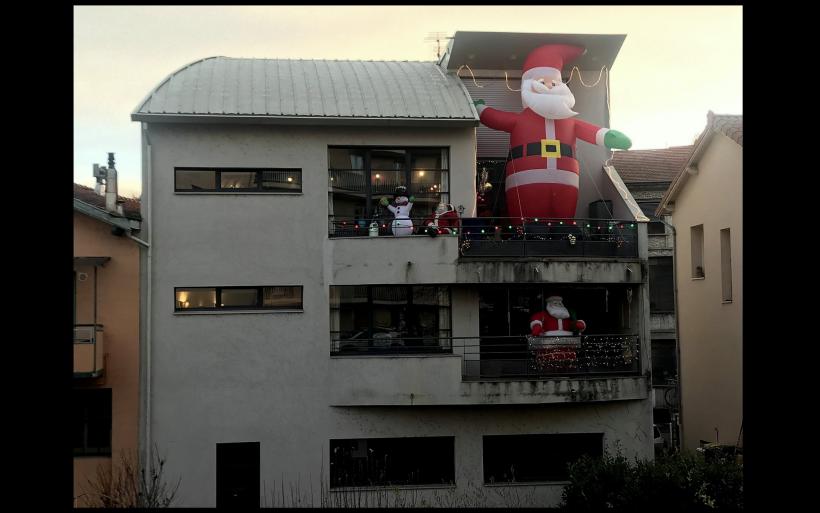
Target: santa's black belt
point(543, 148)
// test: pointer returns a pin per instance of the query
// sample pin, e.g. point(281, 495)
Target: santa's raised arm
point(542, 168)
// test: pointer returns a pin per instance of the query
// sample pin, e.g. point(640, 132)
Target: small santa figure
point(443, 221)
point(555, 320)
point(542, 169)
point(402, 224)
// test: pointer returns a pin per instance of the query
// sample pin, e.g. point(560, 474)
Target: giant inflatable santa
point(555, 321)
point(542, 168)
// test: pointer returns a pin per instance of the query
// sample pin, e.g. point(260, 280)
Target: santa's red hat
point(550, 59)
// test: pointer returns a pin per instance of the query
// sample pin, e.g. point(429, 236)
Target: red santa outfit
point(544, 324)
point(443, 220)
point(542, 171)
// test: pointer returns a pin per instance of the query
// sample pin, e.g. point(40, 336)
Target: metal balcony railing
point(88, 350)
point(538, 237)
point(515, 357)
point(381, 226)
point(512, 237)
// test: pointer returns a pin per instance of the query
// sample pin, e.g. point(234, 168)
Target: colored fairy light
point(509, 227)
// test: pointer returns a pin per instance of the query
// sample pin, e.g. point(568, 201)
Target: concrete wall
point(268, 376)
point(711, 336)
point(118, 296)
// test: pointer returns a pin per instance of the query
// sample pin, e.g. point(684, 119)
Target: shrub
point(685, 482)
point(127, 486)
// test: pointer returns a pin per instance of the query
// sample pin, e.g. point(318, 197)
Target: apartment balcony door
point(237, 475)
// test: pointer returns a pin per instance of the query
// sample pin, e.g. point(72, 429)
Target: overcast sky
point(676, 63)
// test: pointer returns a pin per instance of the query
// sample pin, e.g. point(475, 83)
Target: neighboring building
point(288, 344)
point(105, 397)
point(705, 201)
point(648, 174)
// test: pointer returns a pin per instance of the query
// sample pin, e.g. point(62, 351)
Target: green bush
point(685, 482)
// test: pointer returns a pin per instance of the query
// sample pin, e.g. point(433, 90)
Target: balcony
point(486, 370)
point(88, 350)
point(532, 237)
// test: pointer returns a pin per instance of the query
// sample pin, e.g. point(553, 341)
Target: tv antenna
point(437, 37)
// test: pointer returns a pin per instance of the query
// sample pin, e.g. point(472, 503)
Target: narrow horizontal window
point(237, 180)
point(392, 461)
point(529, 458)
point(238, 298)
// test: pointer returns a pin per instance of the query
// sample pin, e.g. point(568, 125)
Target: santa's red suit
point(542, 169)
point(543, 324)
point(443, 222)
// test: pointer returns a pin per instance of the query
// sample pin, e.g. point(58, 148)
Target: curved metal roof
point(293, 91)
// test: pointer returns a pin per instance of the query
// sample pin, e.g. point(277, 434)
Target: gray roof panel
point(222, 87)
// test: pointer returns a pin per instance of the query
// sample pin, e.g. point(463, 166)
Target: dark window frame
point(368, 171)
point(334, 335)
point(494, 463)
point(218, 180)
point(86, 416)
point(260, 299)
point(402, 443)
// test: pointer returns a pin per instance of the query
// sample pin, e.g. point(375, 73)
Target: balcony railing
point(88, 350)
point(517, 357)
point(379, 226)
point(511, 237)
point(538, 237)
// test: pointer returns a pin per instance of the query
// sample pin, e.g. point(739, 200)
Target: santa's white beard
point(558, 311)
point(556, 104)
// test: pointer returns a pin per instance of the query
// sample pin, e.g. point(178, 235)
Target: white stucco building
point(285, 345)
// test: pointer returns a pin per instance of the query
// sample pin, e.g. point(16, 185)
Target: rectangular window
point(531, 458)
point(91, 416)
point(726, 263)
point(235, 180)
point(392, 461)
point(238, 298)
point(391, 318)
point(696, 238)
point(656, 228)
point(661, 285)
point(360, 178)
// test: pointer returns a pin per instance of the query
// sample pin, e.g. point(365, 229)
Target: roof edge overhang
point(103, 215)
point(302, 120)
point(683, 176)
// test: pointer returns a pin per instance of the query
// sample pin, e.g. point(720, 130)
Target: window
point(91, 416)
point(529, 458)
point(726, 263)
point(238, 298)
point(229, 180)
point(661, 285)
point(392, 318)
point(664, 361)
point(656, 228)
point(696, 237)
point(358, 179)
point(392, 461)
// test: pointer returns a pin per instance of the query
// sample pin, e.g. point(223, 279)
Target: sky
point(676, 64)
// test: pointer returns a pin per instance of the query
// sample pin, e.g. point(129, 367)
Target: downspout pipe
point(146, 354)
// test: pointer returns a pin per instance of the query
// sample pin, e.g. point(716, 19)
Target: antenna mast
point(437, 37)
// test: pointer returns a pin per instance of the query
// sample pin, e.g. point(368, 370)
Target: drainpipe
point(677, 328)
point(146, 361)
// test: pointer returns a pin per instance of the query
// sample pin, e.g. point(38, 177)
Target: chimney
point(109, 175)
point(111, 187)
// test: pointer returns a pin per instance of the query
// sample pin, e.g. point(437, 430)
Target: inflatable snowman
point(402, 224)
